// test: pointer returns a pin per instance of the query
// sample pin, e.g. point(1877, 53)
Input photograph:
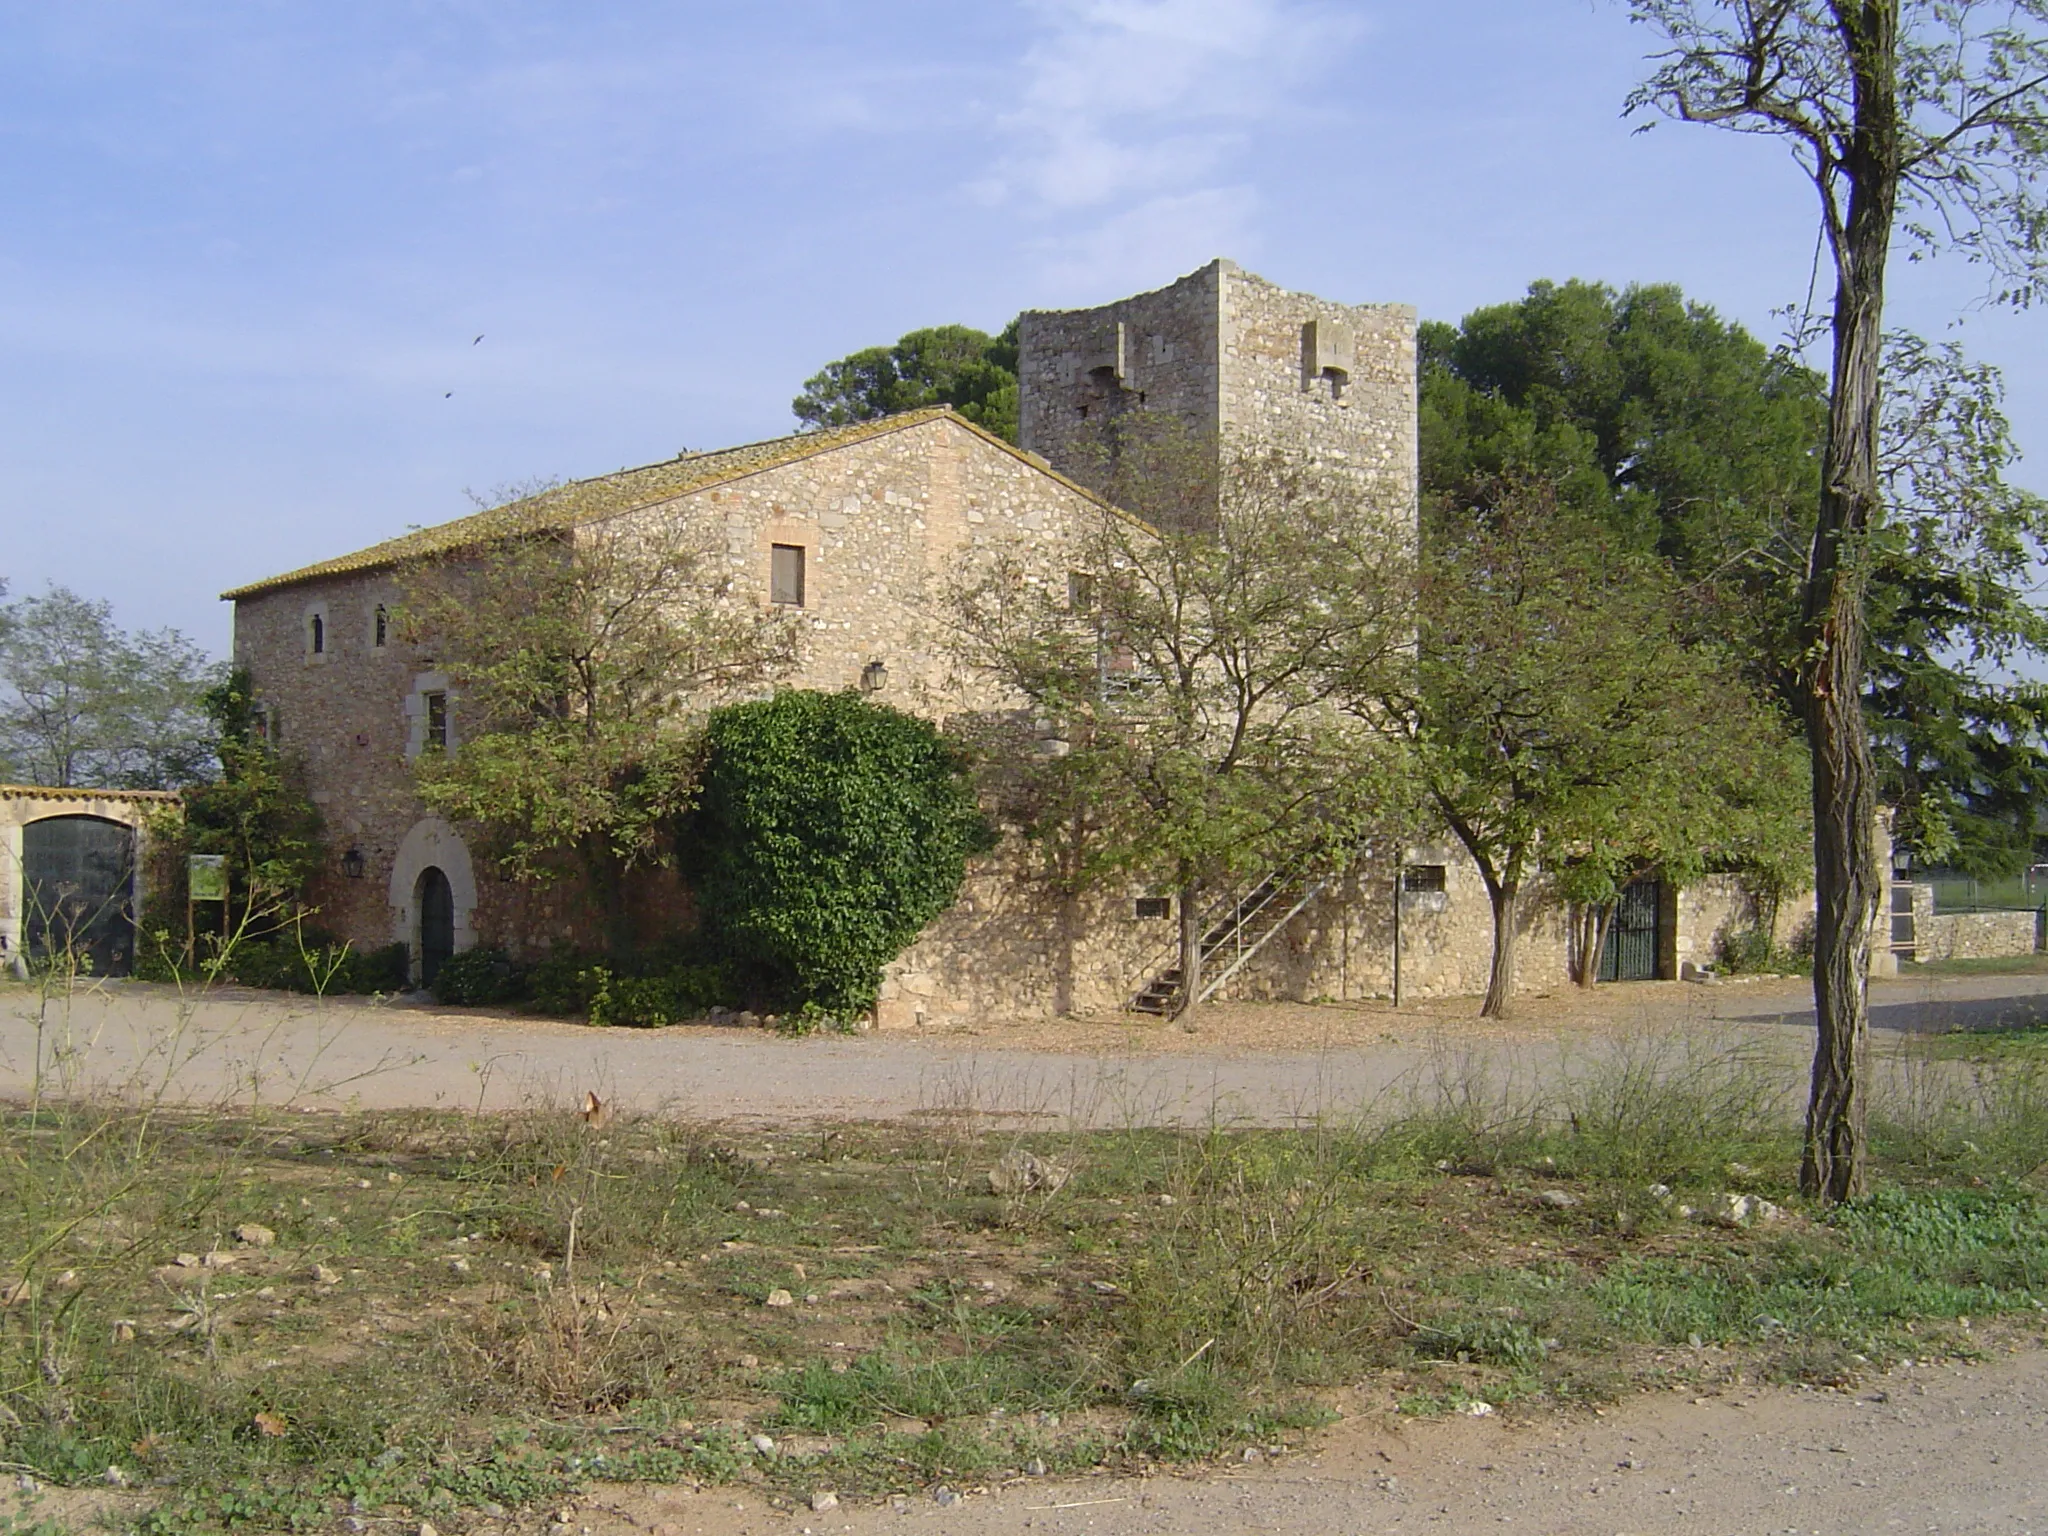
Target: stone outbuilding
point(73, 872)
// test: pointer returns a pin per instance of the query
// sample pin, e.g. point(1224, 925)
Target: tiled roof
point(585, 501)
point(53, 792)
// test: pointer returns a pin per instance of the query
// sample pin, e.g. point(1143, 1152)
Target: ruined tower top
point(1240, 364)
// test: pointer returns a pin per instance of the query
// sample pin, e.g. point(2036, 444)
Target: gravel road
point(1266, 1063)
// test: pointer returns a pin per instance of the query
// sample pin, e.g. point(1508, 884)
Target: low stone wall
point(1974, 935)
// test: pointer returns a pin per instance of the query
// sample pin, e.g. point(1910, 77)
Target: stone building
point(859, 532)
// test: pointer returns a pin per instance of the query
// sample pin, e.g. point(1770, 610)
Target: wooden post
point(1398, 876)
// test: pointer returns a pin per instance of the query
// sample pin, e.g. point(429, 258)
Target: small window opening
point(786, 575)
point(437, 721)
point(317, 628)
point(1080, 592)
point(1422, 878)
point(1338, 381)
point(261, 726)
point(383, 625)
point(1152, 906)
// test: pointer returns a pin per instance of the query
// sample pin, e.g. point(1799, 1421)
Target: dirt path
point(1270, 1062)
point(1927, 1449)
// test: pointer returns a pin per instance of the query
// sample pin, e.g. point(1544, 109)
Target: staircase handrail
point(1214, 921)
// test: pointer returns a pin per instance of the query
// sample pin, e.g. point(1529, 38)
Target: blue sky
point(248, 245)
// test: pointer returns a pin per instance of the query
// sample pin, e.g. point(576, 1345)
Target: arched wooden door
point(436, 904)
point(77, 886)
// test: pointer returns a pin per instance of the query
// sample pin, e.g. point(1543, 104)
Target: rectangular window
point(437, 721)
point(1152, 906)
point(383, 625)
point(1423, 877)
point(1080, 592)
point(260, 724)
point(317, 633)
point(786, 575)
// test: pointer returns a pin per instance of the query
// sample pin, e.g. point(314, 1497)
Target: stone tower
point(1240, 364)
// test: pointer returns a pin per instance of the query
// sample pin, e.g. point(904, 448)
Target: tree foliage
point(1688, 436)
point(583, 663)
point(955, 365)
point(84, 703)
point(1182, 685)
point(1559, 711)
point(257, 813)
point(831, 831)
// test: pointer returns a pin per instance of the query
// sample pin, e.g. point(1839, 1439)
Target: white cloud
point(1131, 118)
point(1148, 244)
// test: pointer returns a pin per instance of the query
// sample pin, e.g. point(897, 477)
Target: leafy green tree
point(83, 702)
point(1921, 118)
point(1557, 711)
point(955, 365)
point(258, 812)
point(831, 831)
point(1688, 436)
point(1182, 686)
point(583, 663)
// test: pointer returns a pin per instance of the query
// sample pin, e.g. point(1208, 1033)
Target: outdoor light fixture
point(352, 863)
point(874, 677)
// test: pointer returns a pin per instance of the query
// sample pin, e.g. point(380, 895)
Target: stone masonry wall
point(1333, 383)
point(1079, 370)
point(1976, 935)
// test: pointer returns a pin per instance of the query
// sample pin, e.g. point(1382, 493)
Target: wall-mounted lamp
point(874, 677)
point(352, 864)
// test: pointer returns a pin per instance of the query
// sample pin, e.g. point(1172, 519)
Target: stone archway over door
point(432, 844)
point(78, 891)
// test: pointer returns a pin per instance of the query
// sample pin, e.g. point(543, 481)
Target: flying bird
point(449, 396)
point(479, 338)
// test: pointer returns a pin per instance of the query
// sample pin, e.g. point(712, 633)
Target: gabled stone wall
point(888, 524)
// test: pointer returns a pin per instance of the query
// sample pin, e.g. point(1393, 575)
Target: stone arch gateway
point(432, 848)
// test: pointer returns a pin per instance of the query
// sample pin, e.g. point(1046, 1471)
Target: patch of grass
point(1994, 965)
point(1989, 1044)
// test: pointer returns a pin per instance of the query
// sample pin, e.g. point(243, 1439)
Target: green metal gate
point(78, 876)
point(1635, 936)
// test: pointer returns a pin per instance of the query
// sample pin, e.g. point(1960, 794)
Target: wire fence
point(2026, 892)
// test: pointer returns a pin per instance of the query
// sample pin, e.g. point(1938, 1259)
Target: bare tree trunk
point(1190, 898)
point(1846, 877)
point(1595, 918)
point(1500, 984)
point(1063, 956)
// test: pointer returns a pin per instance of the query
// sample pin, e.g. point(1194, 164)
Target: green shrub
point(278, 963)
point(483, 975)
point(563, 983)
point(829, 832)
point(649, 1002)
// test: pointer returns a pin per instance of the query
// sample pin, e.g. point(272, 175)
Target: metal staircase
point(1234, 930)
